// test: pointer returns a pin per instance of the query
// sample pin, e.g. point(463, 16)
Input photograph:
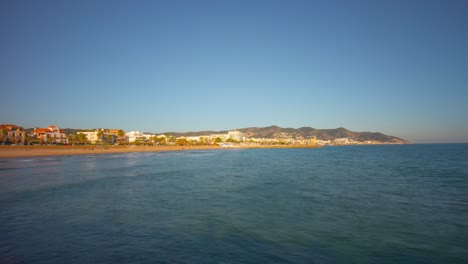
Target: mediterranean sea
point(353, 204)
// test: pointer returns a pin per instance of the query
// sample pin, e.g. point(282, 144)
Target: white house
point(54, 132)
point(236, 135)
point(91, 136)
point(133, 135)
point(341, 141)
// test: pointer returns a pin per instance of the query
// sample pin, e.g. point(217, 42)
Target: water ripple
point(366, 204)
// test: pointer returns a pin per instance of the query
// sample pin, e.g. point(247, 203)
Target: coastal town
point(11, 134)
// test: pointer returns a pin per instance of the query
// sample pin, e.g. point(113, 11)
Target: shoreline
point(43, 151)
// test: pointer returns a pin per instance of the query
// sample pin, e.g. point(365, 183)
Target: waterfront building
point(324, 142)
point(134, 135)
point(223, 137)
point(51, 134)
point(118, 135)
point(313, 140)
point(236, 135)
point(194, 138)
point(91, 136)
point(341, 141)
point(108, 136)
point(11, 133)
point(148, 136)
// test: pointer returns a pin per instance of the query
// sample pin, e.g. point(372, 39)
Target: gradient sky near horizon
point(396, 67)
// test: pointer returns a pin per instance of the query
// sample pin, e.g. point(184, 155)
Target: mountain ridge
point(304, 132)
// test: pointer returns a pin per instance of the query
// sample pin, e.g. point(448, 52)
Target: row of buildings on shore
point(14, 134)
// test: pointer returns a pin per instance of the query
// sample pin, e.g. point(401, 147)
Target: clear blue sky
point(397, 67)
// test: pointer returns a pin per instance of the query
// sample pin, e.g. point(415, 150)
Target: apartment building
point(51, 134)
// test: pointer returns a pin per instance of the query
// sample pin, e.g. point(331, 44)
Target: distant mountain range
point(280, 132)
point(304, 132)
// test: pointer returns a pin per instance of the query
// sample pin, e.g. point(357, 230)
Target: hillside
point(304, 132)
point(271, 132)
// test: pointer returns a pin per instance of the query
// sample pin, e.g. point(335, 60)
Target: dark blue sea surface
point(357, 204)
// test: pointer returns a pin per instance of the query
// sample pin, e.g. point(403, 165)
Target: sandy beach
point(37, 151)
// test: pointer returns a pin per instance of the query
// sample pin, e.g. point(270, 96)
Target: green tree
point(155, 140)
point(162, 141)
point(70, 138)
point(137, 141)
point(33, 140)
point(171, 140)
point(3, 135)
point(232, 140)
point(109, 138)
point(81, 138)
point(121, 137)
point(27, 139)
point(100, 133)
point(182, 142)
point(202, 141)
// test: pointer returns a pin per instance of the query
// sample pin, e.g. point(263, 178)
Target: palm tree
point(137, 141)
point(99, 136)
point(171, 140)
point(121, 135)
point(181, 141)
point(32, 140)
point(70, 138)
point(81, 138)
point(3, 135)
point(27, 138)
point(161, 140)
point(109, 138)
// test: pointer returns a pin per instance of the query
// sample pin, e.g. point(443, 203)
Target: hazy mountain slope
point(305, 132)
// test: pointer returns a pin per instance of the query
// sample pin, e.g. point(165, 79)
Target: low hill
point(304, 132)
point(271, 132)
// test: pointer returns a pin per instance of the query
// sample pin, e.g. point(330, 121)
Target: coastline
point(41, 151)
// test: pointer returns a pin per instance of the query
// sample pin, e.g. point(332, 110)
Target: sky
point(396, 67)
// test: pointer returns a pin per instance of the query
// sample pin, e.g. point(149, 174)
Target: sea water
point(356, 204)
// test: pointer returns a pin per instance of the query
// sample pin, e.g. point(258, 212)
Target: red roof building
point(51, 134)
point(11, 133)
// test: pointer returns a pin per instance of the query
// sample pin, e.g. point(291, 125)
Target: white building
point(236, 135)
point(147, 136)
point(324, 142)
point(91, 136)
point(341, 141)
point(51, 132)
point(197, 139)
point(223, 137)
point(133, 135)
